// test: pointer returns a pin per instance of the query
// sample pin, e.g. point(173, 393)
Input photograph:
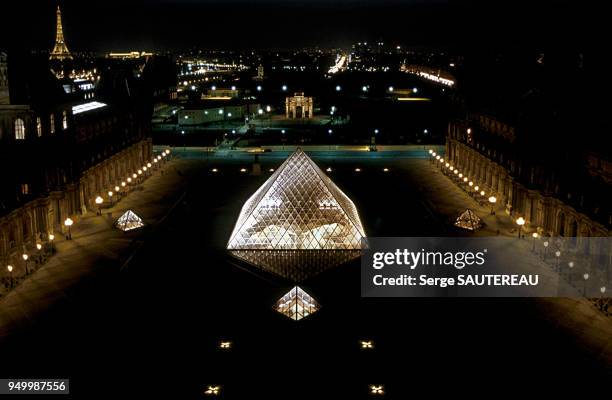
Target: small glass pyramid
point(128, 221)
point(297, 304)
point(297, 223)
point(469, 220)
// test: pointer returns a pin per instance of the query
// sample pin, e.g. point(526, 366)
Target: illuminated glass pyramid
point(128, 221)
point(298, 223)
point(297, 304)
point(469, 220)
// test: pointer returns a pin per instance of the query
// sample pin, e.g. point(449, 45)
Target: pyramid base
point(296, 265)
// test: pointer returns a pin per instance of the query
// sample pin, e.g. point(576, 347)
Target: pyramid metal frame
point(297, 304)
point(468, 220)
point(129, 221)
point(297, 223)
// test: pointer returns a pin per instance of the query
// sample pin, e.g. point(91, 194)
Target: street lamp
point(10, 270)
point(68, 223)
point(545, 249)
point(51, 239)
point(520, 221)
point(558, 255)
point(586, 278)
point(492, 201)
point(99, 200)
point(25, 259)
point(110, 197)
point(534, 235)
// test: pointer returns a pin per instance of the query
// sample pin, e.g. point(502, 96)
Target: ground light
point(366, 344)
point(225, 344)
point(377, 390)
point(212, 390)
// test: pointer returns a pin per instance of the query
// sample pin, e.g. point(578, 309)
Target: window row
point(20, 127)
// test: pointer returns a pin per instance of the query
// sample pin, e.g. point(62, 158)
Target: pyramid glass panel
point(469, 220)
point(297, 304)
point(297, 223)
point(129, 221)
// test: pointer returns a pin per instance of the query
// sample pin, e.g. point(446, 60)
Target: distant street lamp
point(558, 255)
point(99, 200)
point(338, 88)
point(25, 259)
point(534, 235)
point(51, 239)
point(545, 250)
point(68, 223)
point(520, 221)
point(10, 270)
point(492, 201)
point(110, 197)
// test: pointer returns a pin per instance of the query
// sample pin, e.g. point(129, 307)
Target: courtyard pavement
point(577, 315)
point(96, 248)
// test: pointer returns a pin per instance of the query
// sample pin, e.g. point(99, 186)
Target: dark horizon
point(160, 25)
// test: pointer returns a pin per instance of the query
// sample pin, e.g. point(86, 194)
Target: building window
point(19, 129)
point(25, 188)
point(52, 123)
point(64, 120)
point(38, 127)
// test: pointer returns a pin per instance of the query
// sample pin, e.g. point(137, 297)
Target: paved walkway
point(97, 247)
point(577, 315)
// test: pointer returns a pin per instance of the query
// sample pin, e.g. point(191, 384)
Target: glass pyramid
point(469, 220)
point(297, 304)
point(298, 223)
point(128, 221)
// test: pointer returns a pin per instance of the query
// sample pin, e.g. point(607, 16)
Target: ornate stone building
point(58, 152)
point(299, 106)
point(551, 202)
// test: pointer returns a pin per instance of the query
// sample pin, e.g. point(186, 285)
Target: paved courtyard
point(161, 299)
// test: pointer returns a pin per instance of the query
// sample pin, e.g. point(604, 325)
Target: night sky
point(179, 24)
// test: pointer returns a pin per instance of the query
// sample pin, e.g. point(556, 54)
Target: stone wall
point(22, 228)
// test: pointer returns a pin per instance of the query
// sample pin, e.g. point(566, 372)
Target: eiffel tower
point(60, 50)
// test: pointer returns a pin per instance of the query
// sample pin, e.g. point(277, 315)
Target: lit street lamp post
point(545, 250)
point(534, 235)
point(68, 223)
point(51, 239)
point(25, 259)
point(520, 221)
point(99, 200)
point(492, 201)
point(10, 270)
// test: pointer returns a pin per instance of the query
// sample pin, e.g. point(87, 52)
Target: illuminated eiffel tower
point(60, 50)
